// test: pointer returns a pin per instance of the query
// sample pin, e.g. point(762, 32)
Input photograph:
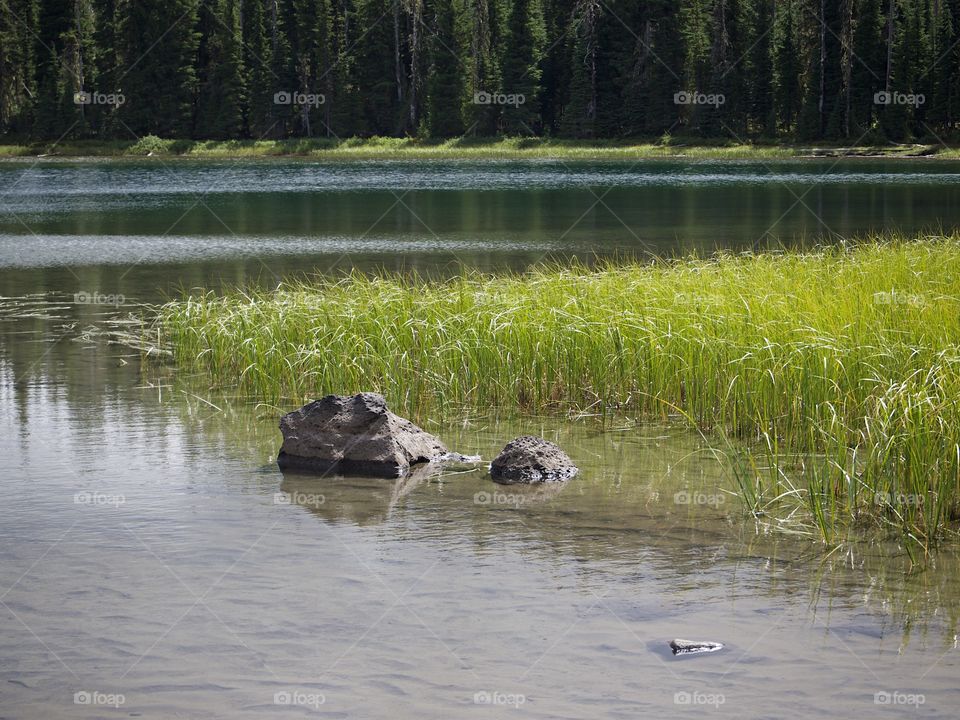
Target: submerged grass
point(838, 369)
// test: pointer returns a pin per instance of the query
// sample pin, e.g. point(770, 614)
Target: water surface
point(151, 549)
point(420, 215)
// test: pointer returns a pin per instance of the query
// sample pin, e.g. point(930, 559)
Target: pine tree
point(80, 69)
point(664, 71)
point(726, 82)
point(615, 42)
point(19, 20)
point(309, 31)
point(376, 68)
point(338, 79)
point(580, 110)
point(523, 52)
point(868, 64)
point(695, 24)
point(53, 116)
point(760, 74)
point(157, 48)
point(280, 20)
point(259, 79)
point(444, 87)
point(950, 58)
point(220, 99)
point(415, 10)
point(821, 112)
point(904, 54)
point(483, 72)
point(943, 53)
point(915, 79)
point(555, 79)
point(811, 69)
point(107, 65)
point(787, 73)
point(653, 66)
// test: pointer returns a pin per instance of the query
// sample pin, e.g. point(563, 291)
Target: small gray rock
point(531, 459)
point(692, 647)
point(354, 435)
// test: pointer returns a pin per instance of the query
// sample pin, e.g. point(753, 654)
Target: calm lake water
point(205, 220)
point(156, 563)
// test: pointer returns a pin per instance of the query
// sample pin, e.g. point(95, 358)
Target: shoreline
point(460, 148)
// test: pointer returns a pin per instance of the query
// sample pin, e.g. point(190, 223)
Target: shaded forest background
point(859, 71)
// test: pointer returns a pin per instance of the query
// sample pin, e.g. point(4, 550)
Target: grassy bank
point(839, 369)
point(412, 148)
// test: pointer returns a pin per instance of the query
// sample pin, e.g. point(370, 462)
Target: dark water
point(155, 563)
point(197, 221)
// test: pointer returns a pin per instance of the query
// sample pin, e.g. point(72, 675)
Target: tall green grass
point(839, 369)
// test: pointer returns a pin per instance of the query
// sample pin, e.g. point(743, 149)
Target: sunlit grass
point(14, 150)
point(837, 371)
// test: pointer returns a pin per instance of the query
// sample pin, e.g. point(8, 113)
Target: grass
point(478, 148)
point(836, 372)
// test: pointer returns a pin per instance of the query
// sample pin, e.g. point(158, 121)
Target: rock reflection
point(359, 500)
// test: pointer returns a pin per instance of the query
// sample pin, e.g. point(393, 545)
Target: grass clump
point(839, 368)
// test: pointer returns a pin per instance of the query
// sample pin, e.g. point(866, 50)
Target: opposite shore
point(382, 148)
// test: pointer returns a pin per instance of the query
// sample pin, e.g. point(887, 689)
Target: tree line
point(846, 70)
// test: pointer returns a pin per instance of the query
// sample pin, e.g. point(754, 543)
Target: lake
point(156, 563)
point(164, 222)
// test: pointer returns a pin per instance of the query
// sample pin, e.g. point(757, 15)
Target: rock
point(354, 435)
point(691, 647)
point(530, 459)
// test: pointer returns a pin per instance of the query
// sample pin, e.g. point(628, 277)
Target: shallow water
point(152, 553)
point(152, 550)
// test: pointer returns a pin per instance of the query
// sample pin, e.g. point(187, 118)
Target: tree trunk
point(847, 63)
point(416, 12)
point(891, 17)
point(396, 50)
point(823, 61)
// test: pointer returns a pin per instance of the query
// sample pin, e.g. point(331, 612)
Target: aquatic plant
point(836, 371)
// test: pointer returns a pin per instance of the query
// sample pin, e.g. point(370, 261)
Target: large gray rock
point(354, 435)
point(530, 459)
